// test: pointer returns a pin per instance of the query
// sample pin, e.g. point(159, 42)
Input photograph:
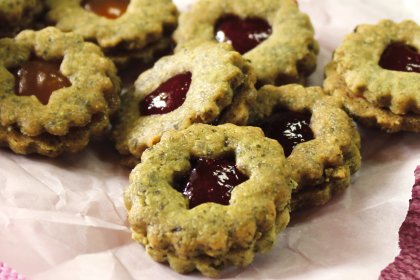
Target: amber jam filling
point(211, 180)
point(167, 97)
point(111, 9)
point(40, 78)
point(400, 57)
point(288, 128)
point(243, 34)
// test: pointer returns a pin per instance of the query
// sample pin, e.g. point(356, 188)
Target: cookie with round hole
point(376, 74)
point(192, 224)
point(274, 35)
point(51, 100)
point(320, 141)
point(208, 84)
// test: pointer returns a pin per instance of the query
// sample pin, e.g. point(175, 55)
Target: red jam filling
point(111, 9)
point(243, 34)
point(288, 128)
point(167, 97)
point(211, 180)
point(400, 57)
point(40, 78)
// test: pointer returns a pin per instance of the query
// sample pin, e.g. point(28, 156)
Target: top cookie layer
point(218, 76)
point(93, 92)
point(336, 141)
point(289, 54)
point(209, 236)
point(357, 62)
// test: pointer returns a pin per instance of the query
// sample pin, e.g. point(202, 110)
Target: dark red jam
point(167, 97)
point(111, 9)
point(40, 78)
point(243, 34)
point(400, 57)
point(211, 180)
point(288, 128)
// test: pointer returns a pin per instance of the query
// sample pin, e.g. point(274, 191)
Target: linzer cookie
point(273, 34)
point(320, 141)
point(17, 14)
point(376, 74)
point(209, 196)
point(122, 28)
point(208, 84)
point(51, 100)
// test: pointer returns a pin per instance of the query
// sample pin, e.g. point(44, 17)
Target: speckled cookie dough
point(288, 55)
point(17, 14)
point(83, 108)
point(144, 22)
point(364, 111)
point(210, 236)
point(357, 62)
point(222, 82)
point(321, 166)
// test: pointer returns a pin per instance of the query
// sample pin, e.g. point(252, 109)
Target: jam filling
point(400, 57)
point(167, 97)
point(243, 34)
point(289, 129)
point(111, 9)
point(211, 180)
point(40, 78)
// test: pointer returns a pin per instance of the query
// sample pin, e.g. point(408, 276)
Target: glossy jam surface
point(167, 97)
point(40, 78)
point(211, 180)
point(289, 129)
point(111, 9)
point(243, 34)
point(400, 57)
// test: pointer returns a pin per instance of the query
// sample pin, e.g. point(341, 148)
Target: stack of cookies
point(125, 30)
point(375, 73)
point(51, 100)
point(224, 138)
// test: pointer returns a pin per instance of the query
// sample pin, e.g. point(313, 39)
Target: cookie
point(18, 14)
point(128, 25)
point(274, 35)
point(320, 141)
point(123, 29)
point(365, 112)
point(208, 84)
point(51, 100)
point(190, 228)
point(376, 73)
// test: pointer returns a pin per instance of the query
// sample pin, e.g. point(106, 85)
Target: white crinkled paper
point(64, 218)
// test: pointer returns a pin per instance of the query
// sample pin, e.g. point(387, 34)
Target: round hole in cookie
point(211, 180)
point(167, 97)
point(399, 56)
point(110, 9)
point(288, 128)
point(40, 78)
point(243, 34)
